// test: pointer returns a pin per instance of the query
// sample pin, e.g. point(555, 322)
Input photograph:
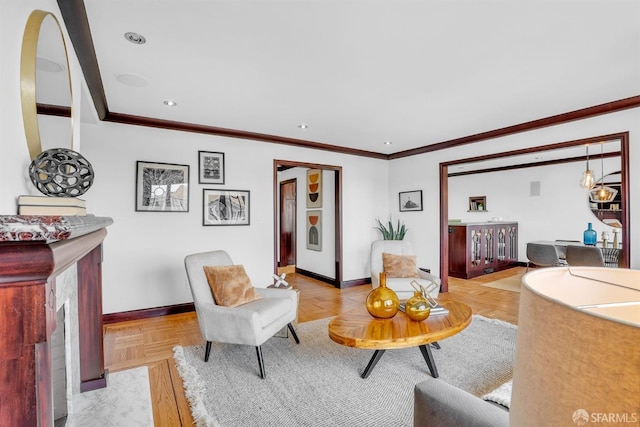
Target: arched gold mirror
point(45, 83)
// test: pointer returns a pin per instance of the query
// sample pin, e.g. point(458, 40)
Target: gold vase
point(383, 302)
point(417, 307)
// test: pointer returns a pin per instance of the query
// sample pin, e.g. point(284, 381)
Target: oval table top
point(357, 328)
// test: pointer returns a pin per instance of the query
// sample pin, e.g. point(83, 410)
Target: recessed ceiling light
point(132, 80)
point(388, 143)
point(135, 38)
point(170, 103)
point(303, 126)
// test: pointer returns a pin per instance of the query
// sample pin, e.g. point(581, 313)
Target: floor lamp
point(578, 350)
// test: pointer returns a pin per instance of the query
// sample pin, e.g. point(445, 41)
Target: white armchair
point(252, 323)
point(401, 286)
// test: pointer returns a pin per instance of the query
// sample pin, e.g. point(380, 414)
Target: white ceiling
point(360, 73)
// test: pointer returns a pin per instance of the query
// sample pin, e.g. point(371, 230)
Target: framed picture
point(314, 188)
point(411, 201)
point(225, 207)
point(314, 230)
point(162, 187)
point(211, 167)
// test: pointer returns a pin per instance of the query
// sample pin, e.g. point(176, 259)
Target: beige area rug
point(511, 283)
point(318, 383)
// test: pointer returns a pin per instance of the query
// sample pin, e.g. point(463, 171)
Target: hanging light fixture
point(602, 193)
point(588, 180)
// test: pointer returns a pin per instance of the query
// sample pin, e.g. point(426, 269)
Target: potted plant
point(391, 233)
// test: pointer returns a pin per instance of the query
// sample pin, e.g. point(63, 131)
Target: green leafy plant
point(390, 233)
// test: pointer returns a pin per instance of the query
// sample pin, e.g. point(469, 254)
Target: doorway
point(288, 222)
point(333, 247)
point(623, 139)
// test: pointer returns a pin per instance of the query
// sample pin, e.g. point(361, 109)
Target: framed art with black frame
point(410, 201)
point(162, 187)
point(225, 207)
point(211, 167)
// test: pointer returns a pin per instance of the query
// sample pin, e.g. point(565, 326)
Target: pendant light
point(602, 194)
point(588, 180)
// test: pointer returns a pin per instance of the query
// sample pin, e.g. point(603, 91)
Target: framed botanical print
point(225, 207)
point(162, 187)
point(210, 167)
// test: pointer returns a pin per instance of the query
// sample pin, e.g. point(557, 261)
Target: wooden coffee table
point(357, 328)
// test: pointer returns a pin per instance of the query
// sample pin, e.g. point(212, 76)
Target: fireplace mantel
point(33, 251)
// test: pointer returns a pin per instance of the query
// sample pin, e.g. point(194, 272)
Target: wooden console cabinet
point(480, 248)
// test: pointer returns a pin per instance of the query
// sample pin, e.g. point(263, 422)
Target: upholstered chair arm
point(278, 293)
point(228, 324)
point(439, 404)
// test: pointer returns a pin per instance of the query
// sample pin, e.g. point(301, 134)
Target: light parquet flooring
point(150, 342)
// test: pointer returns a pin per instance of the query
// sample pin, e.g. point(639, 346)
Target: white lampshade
point(578, 348)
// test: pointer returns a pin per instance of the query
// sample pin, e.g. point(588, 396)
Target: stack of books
point(43, 205)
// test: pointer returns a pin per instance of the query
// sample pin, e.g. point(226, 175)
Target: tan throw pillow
point(230, 285)
point(399, 265)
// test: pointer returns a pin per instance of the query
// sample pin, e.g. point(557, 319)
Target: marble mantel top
point(35, 228)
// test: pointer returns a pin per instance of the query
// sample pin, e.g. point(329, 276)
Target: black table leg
point(428, 357)
point(372, 363)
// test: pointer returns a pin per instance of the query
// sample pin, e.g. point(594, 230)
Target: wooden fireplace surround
point(28, 271)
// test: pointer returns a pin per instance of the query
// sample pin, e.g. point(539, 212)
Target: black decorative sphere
point(61, 172)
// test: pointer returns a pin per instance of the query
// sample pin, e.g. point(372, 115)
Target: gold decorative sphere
point(417, 308)
point(383, 302)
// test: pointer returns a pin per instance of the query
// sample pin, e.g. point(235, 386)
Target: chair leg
point(436, 345)
point(260, 361)
point(293, 332)
point(527, 270)
point(207, 351)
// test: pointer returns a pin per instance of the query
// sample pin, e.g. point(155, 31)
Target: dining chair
point(542, 255)
point(590, 256)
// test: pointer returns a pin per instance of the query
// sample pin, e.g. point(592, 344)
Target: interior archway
point(624, 168)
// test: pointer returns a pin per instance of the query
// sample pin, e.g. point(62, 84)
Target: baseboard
point(356, 282)
point(333, 282)
point(317, 276)
point(146, 313)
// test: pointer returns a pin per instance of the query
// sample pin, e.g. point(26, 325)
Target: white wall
point(422, 172)
point(144, 251)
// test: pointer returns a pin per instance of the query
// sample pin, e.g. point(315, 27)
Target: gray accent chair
point(543, 255)
point(401, 286)
point(589, 256)
point(439, 404)
point(250, 324)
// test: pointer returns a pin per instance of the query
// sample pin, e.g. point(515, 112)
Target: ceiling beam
point(75, 19)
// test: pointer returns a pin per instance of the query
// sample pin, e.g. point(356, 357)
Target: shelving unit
point(478, 204)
